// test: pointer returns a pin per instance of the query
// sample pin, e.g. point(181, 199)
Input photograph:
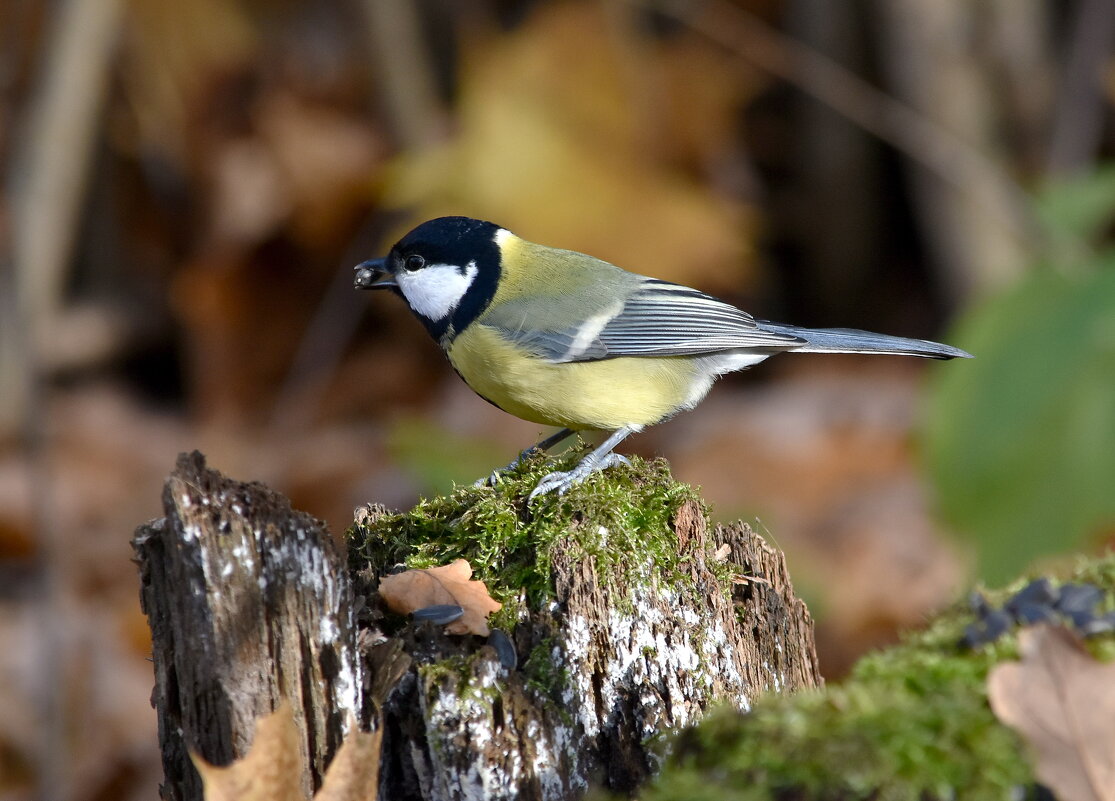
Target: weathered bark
point(250, 603)
point(628, 663)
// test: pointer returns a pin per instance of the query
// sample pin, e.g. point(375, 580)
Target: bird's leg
point(599, 459)
point(544, 445)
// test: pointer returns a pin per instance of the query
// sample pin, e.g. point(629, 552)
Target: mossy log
point(629, 616)
point(912, 721)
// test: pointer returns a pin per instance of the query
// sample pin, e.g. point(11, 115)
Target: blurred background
point(186, 187)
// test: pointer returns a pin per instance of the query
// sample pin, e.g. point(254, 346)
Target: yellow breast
point(582, 395)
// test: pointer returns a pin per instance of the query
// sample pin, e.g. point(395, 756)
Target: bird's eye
point(414, 262)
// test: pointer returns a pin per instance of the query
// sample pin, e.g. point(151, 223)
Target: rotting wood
point(623, 664)
point(250, 602)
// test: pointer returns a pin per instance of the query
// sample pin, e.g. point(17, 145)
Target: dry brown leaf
point(353, 775)
point(270, 771)
point(563, 136)
point(324, 157)
point(272, 768)
point(1062, 701)
point(448, 584)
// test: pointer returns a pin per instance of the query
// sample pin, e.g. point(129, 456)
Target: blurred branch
point(318, 354)
point(48, 179)
point(839, 226)
point(1020, 53)
point(900, 125)
point(1079, 113)
point(940, 59)
point(402, 59)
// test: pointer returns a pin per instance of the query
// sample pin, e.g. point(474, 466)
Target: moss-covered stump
point(910, 722)
point(628, 615)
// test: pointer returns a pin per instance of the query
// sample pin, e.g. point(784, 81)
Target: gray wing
point(657, 318)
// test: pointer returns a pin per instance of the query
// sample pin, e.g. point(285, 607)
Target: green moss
point(910, 722)
point(620, 518)
point(544, 674)
point(509, 614)
point(453, 669)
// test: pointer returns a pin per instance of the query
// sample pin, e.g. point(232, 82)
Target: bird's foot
point(561, 481)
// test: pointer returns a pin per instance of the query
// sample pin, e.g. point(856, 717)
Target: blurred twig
point(57, 145)
point(401, 57)
point(49, 174)
point(319, 351)
point(896, 123)
point(940, 58)
point(1079, 113)
point(47, 181)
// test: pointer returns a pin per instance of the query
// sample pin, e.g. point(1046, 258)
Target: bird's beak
point(373, 274)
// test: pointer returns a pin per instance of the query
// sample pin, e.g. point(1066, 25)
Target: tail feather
point(850, 340)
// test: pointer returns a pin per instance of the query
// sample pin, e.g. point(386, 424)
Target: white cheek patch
point(436, 290)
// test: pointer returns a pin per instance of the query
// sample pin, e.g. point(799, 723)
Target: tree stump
point(250, 603)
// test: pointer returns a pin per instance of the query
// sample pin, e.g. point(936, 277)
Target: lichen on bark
point(628, 620)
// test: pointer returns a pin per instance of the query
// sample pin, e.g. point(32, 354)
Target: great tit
point(564, 339)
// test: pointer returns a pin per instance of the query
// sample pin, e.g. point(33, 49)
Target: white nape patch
point(589, 331)
point(436, 290)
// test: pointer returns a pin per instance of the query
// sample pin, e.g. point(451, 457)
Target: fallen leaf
point(353, 775)
point(1062, 702)
point(448, 584)
point(272, 769)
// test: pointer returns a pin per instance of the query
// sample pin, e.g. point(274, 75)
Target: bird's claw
point(489, 480)
point(561, 481)
point(494, 477)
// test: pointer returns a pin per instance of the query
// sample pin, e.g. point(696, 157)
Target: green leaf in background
point(1081, 208)
point(1021, 440)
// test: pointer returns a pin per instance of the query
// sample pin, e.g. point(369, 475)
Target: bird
point(564, 339)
